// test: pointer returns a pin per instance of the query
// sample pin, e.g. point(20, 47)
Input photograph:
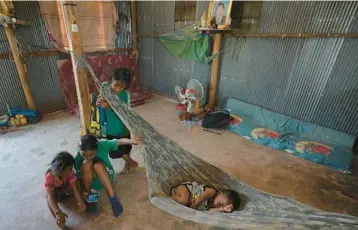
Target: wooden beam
point(6, 8)
point(55, 52)
point(20, 66)
point(71, 22)
point(134, 78)
point(237, 33)
point(291, 35)
point(134, 26)
point(214, 71)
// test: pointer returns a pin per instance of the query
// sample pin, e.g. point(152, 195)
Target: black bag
point(216, 119)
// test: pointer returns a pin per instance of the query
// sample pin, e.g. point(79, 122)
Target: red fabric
point(322, 149)
point(51, 182)
point(273, 135)
point(235, 121)
point(181, 107)
point(103, 67)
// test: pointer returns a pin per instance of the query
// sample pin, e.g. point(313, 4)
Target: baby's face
point(221, 201)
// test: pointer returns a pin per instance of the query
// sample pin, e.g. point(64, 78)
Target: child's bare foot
point(125, 169)
point(133, 165)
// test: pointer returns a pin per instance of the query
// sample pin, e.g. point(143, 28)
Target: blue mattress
point(309, 141)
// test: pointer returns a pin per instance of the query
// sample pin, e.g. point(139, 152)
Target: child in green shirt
point(115, 127)
point(94, 169)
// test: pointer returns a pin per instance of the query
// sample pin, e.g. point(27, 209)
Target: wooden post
point(214, 70)
point(134, 25)
point(7, 9)
point(80, 72)
point(134, 80)
point(20, 66)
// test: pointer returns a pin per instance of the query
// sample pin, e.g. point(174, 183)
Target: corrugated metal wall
point(314, 80)
point(124, 29)
point(158, 69)
point(308, 17)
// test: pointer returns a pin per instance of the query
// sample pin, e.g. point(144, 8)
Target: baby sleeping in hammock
point(203, 197)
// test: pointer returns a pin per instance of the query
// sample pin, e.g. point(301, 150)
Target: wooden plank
point(80, 72)
point(214, 71)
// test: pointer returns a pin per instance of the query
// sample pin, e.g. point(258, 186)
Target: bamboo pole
point(76, 49)
point(20, 66)
point(214, 71)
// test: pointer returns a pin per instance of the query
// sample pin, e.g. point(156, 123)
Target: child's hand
point(61, 219)
point(195, 203)
point(81, 207)
point(102, 102)
point(228, 208)
point(136, 140)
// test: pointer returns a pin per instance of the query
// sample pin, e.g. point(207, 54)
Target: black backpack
point(216, 119)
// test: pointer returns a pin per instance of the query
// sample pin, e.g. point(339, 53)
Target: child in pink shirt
point(58, 180)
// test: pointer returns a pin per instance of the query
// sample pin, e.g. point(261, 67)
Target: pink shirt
point(52, 182)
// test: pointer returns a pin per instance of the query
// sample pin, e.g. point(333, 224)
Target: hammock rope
point(167, 164)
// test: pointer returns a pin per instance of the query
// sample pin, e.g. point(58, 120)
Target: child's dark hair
point(233, 196)
point(122, 74)
point(88, 142)
point(60, 162)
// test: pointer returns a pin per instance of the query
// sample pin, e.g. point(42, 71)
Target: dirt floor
point(25, 153)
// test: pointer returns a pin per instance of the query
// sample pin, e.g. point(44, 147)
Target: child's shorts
point(123, 149)
point(97, 185)
point(62, 193)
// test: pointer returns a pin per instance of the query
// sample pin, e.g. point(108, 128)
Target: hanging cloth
point(188, 43)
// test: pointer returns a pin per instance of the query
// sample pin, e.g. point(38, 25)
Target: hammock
point(167, 164)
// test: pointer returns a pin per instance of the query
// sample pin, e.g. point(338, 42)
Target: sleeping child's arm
point(207, 194)
point(228, 208)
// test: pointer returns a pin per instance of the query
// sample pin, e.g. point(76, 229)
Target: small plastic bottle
point(8, 110)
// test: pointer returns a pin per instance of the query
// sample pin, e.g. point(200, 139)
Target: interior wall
point(311, 79)
point(158, 69)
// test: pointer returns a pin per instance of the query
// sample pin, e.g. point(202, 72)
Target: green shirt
point(103, 149)
point(115, 126)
